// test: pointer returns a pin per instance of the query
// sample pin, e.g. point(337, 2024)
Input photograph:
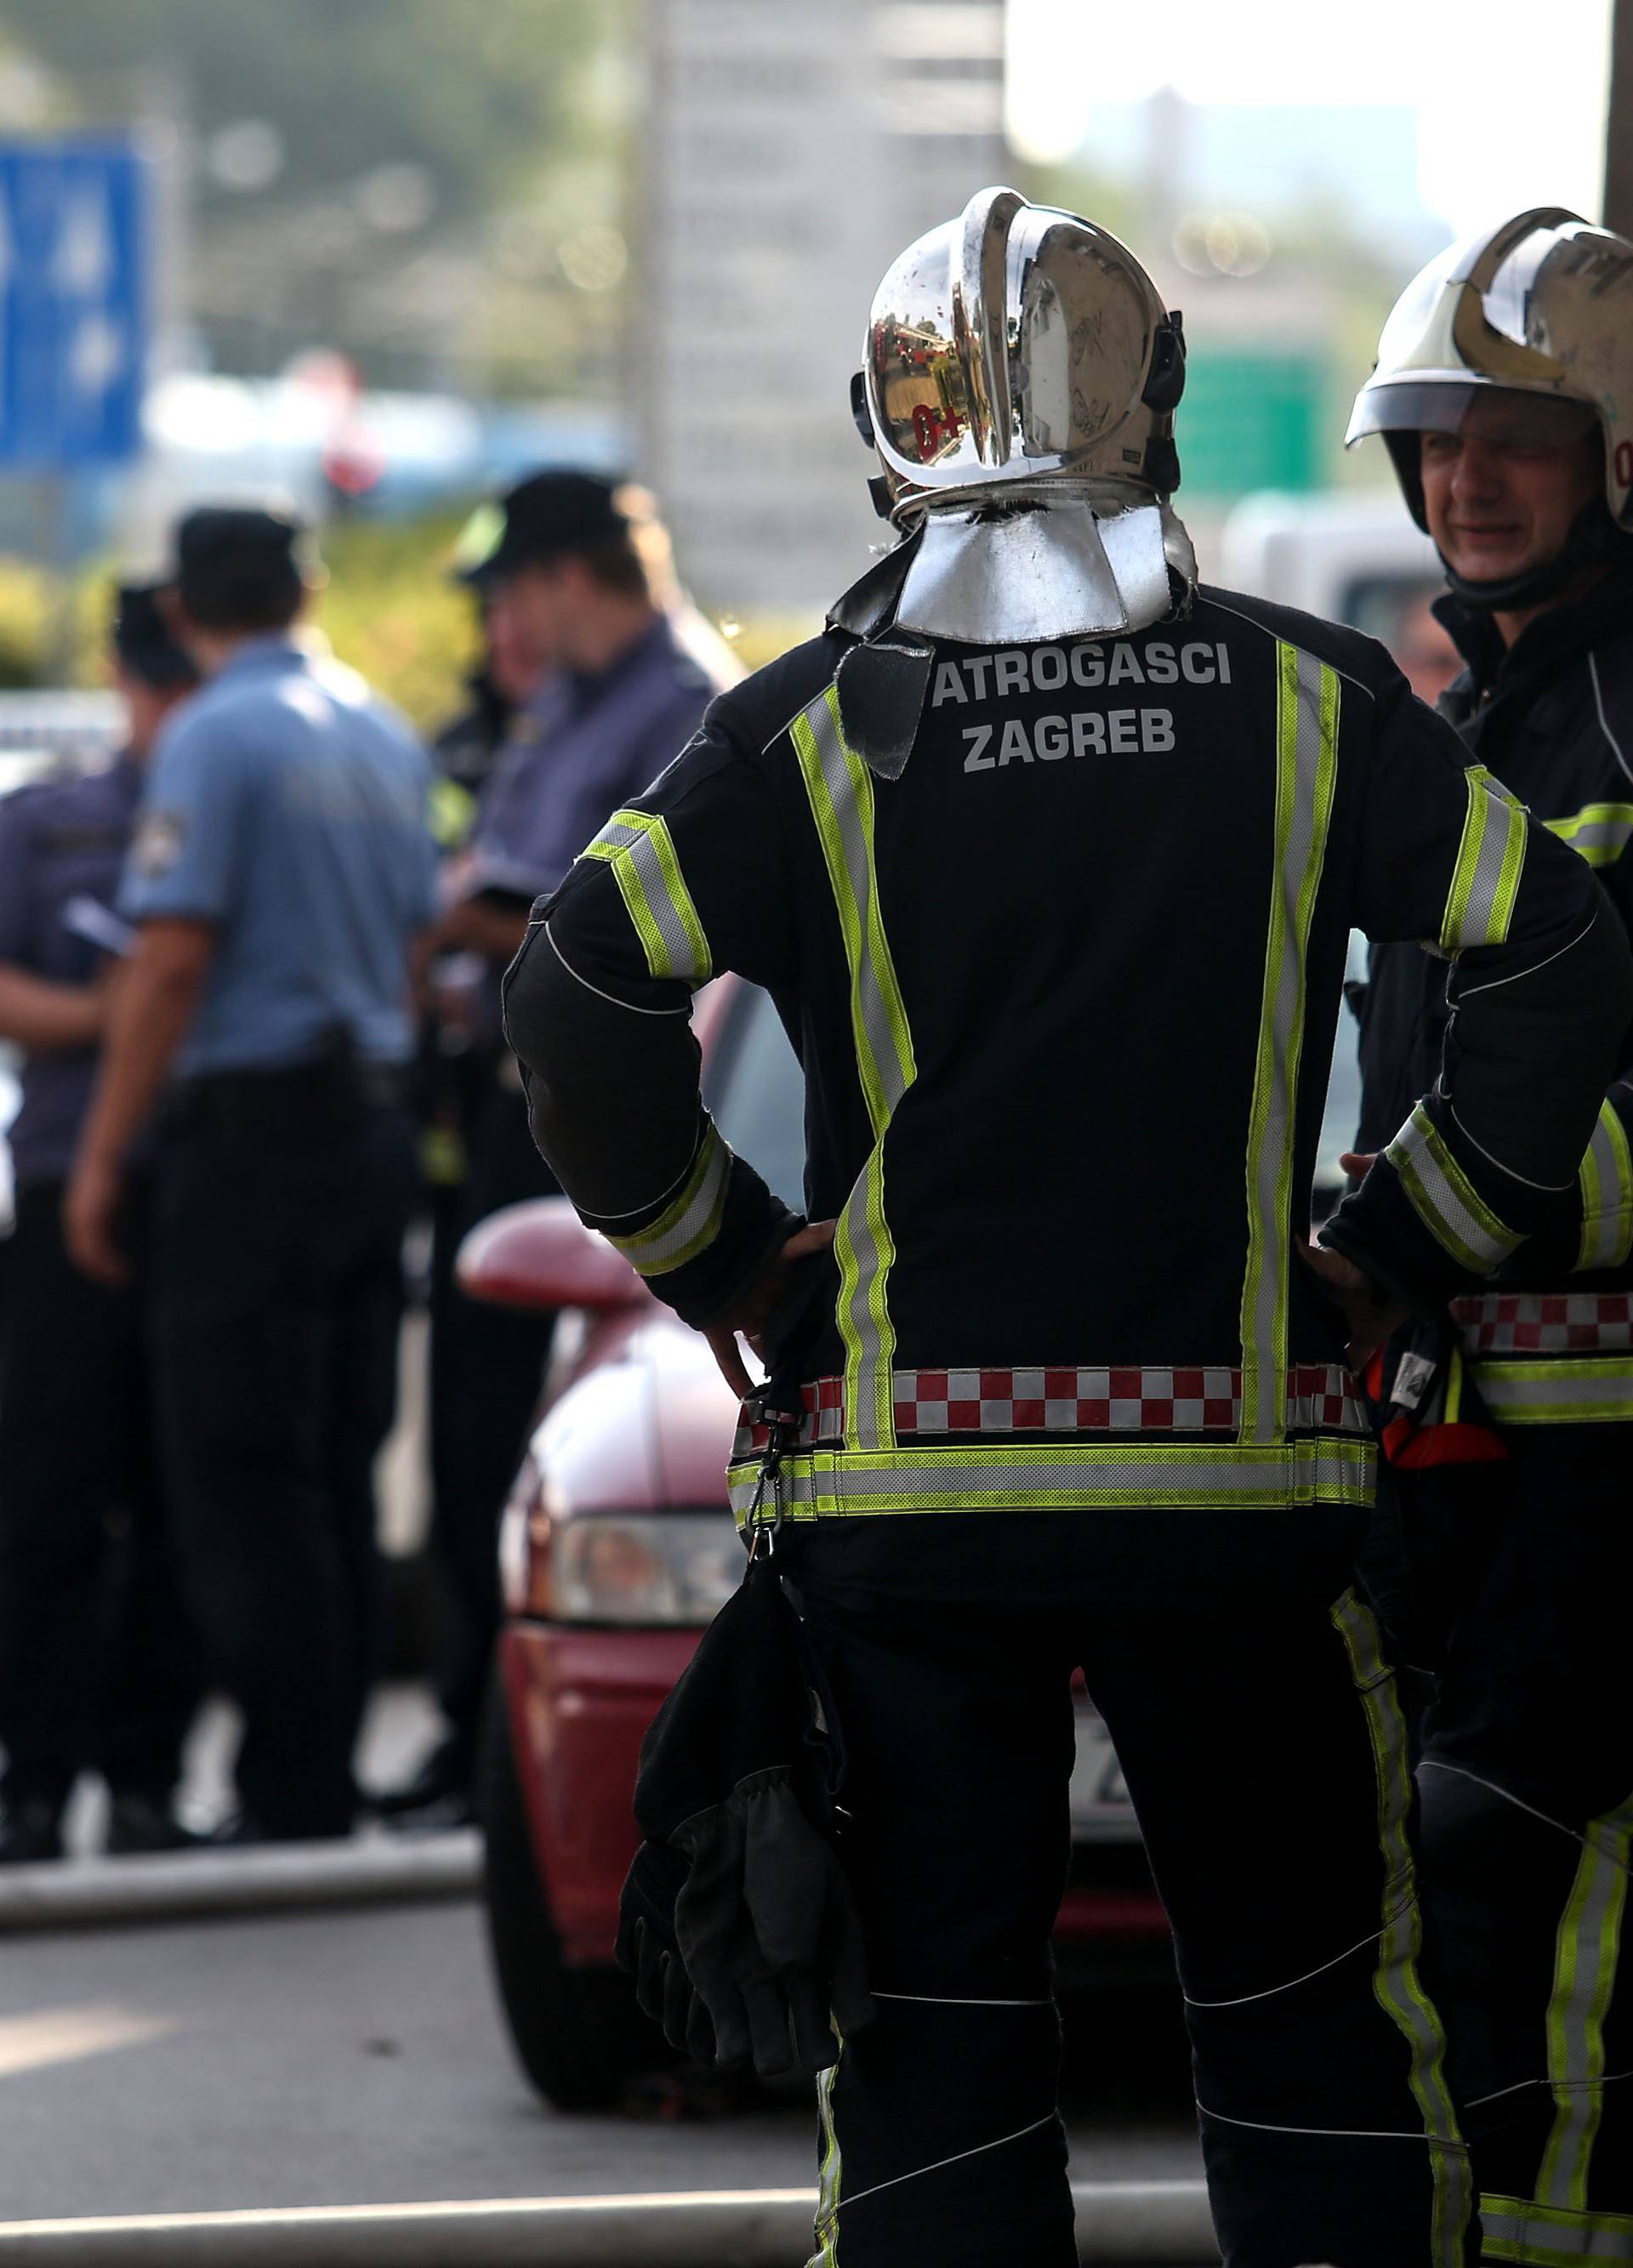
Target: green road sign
point(1249, 421)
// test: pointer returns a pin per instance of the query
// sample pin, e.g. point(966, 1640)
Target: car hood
point(647, 1427)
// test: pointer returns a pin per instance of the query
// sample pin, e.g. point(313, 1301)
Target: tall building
point(793, 147)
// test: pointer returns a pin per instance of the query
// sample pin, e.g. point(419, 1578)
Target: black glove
point(648, 1952)
point(768, 1931)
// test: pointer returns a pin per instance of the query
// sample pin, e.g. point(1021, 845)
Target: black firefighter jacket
point(1065, 994)
point(1551, 1341)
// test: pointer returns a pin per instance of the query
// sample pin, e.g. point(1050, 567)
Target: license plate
point(1101, 1811)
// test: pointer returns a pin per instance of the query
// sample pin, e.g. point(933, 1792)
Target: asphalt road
point(358, 2057)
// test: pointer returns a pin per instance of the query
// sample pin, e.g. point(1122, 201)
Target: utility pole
point(1619, 124)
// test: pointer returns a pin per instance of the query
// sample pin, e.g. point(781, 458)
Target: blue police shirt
point(287, 805)
point(586, 745)
point(61, 845)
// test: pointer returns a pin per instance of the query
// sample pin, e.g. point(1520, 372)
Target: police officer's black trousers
point(278, 1238)
point(1256, 1721)
point(1526, 1787)
point(98, 1666)
point(486, 1375)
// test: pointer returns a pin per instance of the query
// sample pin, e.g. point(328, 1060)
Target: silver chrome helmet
point(1522, 333)
point(1020, 354)
point(1018, 343)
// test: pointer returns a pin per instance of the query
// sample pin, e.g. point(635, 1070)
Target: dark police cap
point(547, 516)
point(142, 637)
point(217, 538)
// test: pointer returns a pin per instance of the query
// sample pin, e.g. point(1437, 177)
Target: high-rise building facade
point(793, 147)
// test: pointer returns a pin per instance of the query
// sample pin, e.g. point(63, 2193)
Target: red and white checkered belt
point(1188, 1400)
point(1545, 1322)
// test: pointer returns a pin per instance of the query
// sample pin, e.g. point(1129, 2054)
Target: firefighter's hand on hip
point(755, 1305)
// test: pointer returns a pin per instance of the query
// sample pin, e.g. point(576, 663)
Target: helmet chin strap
point(1593, 538)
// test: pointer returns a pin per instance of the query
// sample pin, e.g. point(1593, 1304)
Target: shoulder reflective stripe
point(839, 789)
point(1539, 1323)
point(1607, 1184)
point(1396, 1983)
point(640, 851)
point(691, 1221)
point(1584, 1975)
point(1306, 770)
point(1564, 1390)
point(1446, 1200)
point(1490, 858)
point(832, 1484)
point(1600, 831)
point(1543, 2237)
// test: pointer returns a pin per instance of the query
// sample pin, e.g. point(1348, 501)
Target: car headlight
point(675, 1567)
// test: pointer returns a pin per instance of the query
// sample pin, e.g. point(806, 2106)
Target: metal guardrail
point(104, 1893)
point(1127, 2222)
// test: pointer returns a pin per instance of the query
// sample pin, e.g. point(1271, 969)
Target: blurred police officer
point(280, 872)
point(97, 1659)
point(1504, 389)
point(575, 571)
point(1038, 837)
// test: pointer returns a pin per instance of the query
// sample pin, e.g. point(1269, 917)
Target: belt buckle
point(782, 1433)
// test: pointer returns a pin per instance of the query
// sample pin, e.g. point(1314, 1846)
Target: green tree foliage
point(477, 92)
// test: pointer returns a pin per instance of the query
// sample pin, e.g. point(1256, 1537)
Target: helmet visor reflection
point(1487, 412)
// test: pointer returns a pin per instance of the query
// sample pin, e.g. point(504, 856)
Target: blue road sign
point(73, 304)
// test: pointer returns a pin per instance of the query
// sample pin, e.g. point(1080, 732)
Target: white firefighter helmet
point(1020, 354)
point(1522, 333)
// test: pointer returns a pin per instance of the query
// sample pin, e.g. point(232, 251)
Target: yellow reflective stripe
point(1446, 1200)
point(824, 1483)
point(1584, 1975)
point(1306, 771)
point(451, 813)
point(1485, 880)
point(1559, 1390)
point(827, 2224)
point(1599, 832)
point(1544, 2236)
point(1396, 1985)
point(691, 1221)
point(839, 790)
point(1605, 1181)
point(640, 851)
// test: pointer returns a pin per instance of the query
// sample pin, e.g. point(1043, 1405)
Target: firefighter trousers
point(1244, 1687)
point(1526, 1790)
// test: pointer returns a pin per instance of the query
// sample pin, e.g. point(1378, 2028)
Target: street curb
point(260, 1878)
point(1121, 2221)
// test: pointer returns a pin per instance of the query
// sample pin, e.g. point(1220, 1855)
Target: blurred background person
point(98, 1662)
point(281, 872)
point(578, 589)
point(1423, 647)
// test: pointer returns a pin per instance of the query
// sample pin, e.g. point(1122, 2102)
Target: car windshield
point(757, 1092)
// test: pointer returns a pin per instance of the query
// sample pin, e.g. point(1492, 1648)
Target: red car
point(617, 1549)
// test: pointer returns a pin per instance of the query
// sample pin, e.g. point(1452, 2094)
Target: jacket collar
point(1543, 648)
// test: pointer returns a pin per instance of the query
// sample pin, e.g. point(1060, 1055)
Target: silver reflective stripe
point(641, 851)
point(825, 1484)
point(1588, 1389)
point(1306, 752)
point(692, 1222)
point(841, 796)
point(1445, 1200)
point(1396, 1982)
point(1606, 1182)
point(1543, 2237)
point(1584, 1977)
point(1599, 832)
